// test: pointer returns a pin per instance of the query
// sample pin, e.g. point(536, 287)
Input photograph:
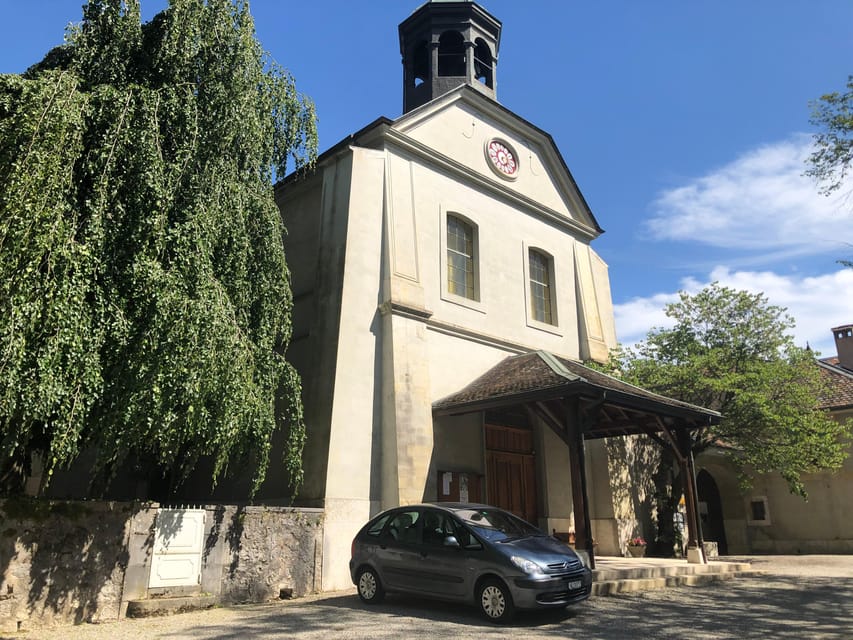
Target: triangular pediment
point(458, 128)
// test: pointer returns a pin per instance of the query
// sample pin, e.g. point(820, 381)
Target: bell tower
point(447, 43)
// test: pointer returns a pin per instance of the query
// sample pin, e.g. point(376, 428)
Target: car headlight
point(528, 566)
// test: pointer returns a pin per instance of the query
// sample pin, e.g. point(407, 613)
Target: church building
point(446, 294)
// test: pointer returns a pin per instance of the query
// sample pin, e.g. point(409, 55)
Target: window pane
point(376, 528)
point(403, 527)
point(540, 287)
point(434, 528)
point(460, 258)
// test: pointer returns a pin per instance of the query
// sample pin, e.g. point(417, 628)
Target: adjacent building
point(768, 518)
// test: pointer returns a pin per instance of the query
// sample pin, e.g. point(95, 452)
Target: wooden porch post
point(695, 546)
point(580, 496)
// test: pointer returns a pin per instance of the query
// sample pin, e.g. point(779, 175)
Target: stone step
point(168, 606)
point(624, 575)
point(636, 570)
point(630, 585)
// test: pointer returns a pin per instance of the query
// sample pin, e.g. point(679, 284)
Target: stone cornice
point(407, 311)
point(450, 329)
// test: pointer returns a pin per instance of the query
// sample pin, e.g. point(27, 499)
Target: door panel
point(511, 471)
point(398, 553)
point(443, 570)
point(178, 544)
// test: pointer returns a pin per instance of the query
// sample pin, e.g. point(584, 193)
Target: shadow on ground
point(755, 607)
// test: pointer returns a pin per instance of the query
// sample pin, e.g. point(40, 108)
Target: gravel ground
point(795, 597)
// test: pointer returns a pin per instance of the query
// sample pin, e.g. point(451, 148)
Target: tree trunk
point(668, 489)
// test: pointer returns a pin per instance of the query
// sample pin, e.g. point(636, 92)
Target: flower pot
point(636, 551)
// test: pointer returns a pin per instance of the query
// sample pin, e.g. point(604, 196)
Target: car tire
point(495, 601)
point(369, 586)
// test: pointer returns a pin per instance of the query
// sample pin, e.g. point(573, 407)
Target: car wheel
point(369, 587)
point(495, 601)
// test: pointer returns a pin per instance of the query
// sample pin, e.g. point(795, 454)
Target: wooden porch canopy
point(579, 404)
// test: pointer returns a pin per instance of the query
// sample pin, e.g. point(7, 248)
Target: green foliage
point(730, 351)
point(144, 297)
point(831, 160)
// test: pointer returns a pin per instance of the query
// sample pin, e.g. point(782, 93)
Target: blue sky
point(685, 125)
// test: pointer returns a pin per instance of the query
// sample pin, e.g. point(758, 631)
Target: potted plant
point(637, 547)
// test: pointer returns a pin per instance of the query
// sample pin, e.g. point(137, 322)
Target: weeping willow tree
point(144, 297)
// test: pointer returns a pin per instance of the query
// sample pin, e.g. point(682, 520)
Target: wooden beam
point(580, 492)
point(654, 436)
point(542, 412)
point(673, 441)
point(691, 497)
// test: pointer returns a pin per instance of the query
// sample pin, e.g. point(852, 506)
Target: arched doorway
point(711, 511)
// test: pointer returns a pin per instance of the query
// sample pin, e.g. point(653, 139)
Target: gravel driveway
point(795, 597)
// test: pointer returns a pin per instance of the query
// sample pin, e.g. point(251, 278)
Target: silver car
point(466, 553)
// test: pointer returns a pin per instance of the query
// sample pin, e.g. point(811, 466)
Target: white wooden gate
point(178, 543)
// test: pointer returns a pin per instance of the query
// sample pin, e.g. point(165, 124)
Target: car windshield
point(496, 525)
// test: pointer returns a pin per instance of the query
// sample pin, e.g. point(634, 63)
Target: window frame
point(447, 295)
point(750, 520)
point(554, 326)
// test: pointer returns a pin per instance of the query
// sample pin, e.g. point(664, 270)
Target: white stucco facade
point(378, 336)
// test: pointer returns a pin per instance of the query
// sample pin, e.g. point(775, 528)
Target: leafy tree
point(730, 351)
point(144, 296)
point(830, 162)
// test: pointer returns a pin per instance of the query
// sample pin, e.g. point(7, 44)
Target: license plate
point(575, 584)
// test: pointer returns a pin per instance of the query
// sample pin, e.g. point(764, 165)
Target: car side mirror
point(451, 541)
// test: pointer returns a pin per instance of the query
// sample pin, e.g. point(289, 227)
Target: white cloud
point(817, 303)
point(759, 202)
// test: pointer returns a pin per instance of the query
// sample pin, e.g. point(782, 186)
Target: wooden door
point(511, 471)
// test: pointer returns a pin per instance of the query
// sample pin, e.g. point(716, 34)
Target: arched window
point(483, 63)
point(461, 259)
point(541, 290)
point(451, 54)
point(420, 63)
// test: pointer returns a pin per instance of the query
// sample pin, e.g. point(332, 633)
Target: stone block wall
point(253, 552)
point(61, 562)
point(68, 562)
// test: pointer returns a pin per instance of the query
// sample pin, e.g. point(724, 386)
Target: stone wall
point(72, 562)
point(61, 562)
point(252, 553)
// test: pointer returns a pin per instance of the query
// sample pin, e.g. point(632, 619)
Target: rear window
point(496, 525)
point(376, 527)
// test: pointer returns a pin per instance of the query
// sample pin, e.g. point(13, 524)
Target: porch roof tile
point(541, 374)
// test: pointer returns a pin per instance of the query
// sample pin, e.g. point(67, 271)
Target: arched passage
point(711, 511)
